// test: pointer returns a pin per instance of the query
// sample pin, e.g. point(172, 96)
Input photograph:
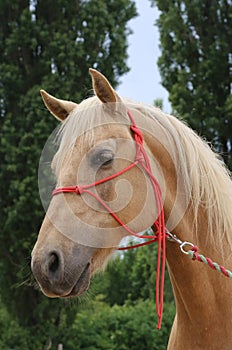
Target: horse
point(103, 194)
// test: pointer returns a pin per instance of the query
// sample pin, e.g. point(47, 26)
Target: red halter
point(141, 159)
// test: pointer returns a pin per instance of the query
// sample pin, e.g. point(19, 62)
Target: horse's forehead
point(106, 131)
point(101, 133)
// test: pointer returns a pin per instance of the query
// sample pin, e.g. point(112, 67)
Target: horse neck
point(203, 297)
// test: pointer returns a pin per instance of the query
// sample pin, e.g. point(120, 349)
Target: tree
point(158, 102)
point(196, 65)
point(131, 277)
point(44, 45)
point(98, 326)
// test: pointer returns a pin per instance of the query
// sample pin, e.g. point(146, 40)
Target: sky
point(143, 82)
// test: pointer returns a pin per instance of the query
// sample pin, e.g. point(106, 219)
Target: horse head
point(78, 234)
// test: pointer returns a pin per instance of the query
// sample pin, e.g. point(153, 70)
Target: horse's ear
point(102, 87)
point(59, 108)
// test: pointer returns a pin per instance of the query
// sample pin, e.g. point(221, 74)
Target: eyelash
point(108, 162)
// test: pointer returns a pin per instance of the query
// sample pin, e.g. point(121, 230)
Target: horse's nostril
point(53, 263)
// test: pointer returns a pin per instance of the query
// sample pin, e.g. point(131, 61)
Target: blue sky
point(143, 82)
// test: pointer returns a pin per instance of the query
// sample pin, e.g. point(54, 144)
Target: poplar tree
point(196, 65)
point(50, 45)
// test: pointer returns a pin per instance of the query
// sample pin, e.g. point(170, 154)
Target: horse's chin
point(75, 289)
point(81, 285)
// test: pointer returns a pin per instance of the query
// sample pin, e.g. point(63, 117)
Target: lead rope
point(193, 254)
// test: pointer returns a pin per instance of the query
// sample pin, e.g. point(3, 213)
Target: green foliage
point(50, 46)
point(16, 336)
point(130, 277)
point(158, 102)
point(97, 327)
point(127, 327)
point(196, 65)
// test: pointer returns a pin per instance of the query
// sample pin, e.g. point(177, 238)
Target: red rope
point(160, 235)
point(215, 266)
point(159, 223)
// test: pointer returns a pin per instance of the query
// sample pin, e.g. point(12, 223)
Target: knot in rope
point(137, 134)
point(79, 189)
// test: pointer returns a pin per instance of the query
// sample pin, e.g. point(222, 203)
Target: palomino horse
point(87, 216)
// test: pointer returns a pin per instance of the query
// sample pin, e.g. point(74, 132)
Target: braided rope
point(194, 255)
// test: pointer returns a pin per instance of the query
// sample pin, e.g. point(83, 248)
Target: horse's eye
point(103, 158)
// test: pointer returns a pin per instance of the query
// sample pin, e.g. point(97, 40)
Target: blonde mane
point(204, 174)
